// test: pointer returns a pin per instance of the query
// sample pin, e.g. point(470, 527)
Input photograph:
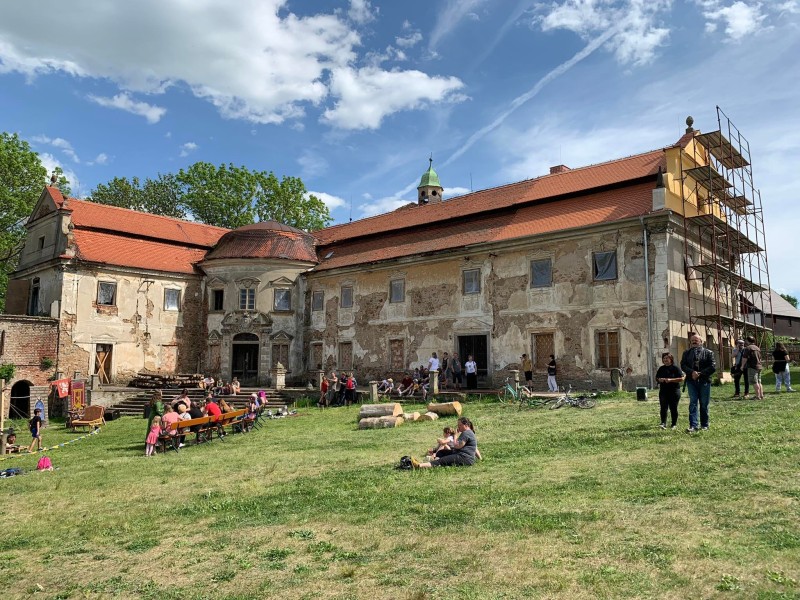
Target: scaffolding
point(728, 289)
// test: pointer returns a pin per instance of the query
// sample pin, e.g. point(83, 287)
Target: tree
point(221, 196)
point(22, 178)
point(288, 202)
point(790, 299)
point(160, 196)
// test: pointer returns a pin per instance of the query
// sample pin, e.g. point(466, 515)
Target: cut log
point(390, 409)
point(411, 416)
point(446, 409)
point(429, 416)
point(380, 422)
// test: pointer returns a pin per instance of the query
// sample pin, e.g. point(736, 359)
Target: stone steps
point(135, 405)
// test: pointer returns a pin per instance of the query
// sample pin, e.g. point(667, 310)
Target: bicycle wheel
point(557, 404)
point(585, 403)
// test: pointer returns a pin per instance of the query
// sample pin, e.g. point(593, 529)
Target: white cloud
point(453, 192)
point(50, 162)
point(740, 18)
point(188, 148)
point(636, 34)
point(361, 12)
point(409, 41)
point(313, 164)
point(59, 143)
point(124, 102)
point(382, 205)
point(450, 17)
point(368, 95)
point(329, 200)
point(100, 159)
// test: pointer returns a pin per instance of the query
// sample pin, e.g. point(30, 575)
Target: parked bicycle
point(520, 394)
point(582, 401)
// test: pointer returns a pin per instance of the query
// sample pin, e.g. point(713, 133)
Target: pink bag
point(44, 464)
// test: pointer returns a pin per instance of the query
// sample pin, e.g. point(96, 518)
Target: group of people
point(697, 367)
point(164, 415)
point(221, 387)
point(552, 369)
point(456, 448)
point(336, 390)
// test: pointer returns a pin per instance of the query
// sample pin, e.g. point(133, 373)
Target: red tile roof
point(547, 187)
point(267, 239)
point(113, 249)
point(509, 224)
point(92, 215)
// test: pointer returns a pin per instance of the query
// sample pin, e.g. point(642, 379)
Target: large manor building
point(604, 266)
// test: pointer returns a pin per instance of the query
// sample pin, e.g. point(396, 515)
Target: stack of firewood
point(159, 380)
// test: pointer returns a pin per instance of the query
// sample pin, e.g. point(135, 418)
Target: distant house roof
point(780, 307)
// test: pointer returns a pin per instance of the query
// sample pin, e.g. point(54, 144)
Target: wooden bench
point(219, 423)
point(204, 428)
point(93, 416)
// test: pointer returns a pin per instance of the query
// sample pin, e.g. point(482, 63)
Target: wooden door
point(102, 361)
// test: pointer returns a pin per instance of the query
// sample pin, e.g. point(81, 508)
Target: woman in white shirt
point(471, 368)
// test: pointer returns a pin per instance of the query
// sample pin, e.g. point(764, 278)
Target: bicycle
point(509, 393)
point(582, 401)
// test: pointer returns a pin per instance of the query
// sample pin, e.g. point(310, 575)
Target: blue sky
point(353, 96)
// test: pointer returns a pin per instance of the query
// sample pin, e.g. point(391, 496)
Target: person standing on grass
point(157, 408)
point(471, 368)
point(739, 369)
point(699, 365)
point(754, 366)
point(669, 378)
point(780, 367)
point(464, 449)
point(527, 368)
point(35, 425)
point(551, 374)
point(455, 365)
point(152, 436)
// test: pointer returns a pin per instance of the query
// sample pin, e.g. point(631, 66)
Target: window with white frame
point(247, 299)
point(471, 281)
point(172, 299)
point(397, 290)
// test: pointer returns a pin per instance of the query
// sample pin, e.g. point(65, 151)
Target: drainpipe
point(650, 348)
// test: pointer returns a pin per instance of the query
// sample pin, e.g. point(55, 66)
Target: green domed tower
point(429, 188)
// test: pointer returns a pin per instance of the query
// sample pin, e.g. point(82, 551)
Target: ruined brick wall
point(25, 342)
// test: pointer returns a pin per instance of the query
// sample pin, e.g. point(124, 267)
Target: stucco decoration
point(244, 321)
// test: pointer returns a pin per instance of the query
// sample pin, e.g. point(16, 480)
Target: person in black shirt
point(699, 365)
point(669, 378)
point(35, 425)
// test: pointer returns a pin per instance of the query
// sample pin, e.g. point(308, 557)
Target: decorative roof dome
point(267, 239)
point(429, 178)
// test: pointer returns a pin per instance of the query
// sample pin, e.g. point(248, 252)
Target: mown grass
point(570, 503)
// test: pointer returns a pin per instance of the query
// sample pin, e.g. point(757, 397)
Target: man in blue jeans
point(699, 365)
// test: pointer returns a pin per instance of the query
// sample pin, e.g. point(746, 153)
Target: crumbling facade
point(591, 265)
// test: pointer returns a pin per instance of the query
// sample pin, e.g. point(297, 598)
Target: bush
point(7, 371)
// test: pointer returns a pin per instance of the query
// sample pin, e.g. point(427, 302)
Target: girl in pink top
point(152, 436)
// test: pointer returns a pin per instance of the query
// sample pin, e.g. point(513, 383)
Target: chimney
point(559, 169)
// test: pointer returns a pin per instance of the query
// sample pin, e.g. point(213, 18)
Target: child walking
point(35, 425)
point(152, 436)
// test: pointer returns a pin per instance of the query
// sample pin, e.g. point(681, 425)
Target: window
point(472, 281)
point(318, 301)
point(605, 266)
point(280, 354)
point(172, 299)
point(247, 299)
point(283, 299)
point(41, 243)
point(217, 299)
point(347, 296)
point(397, 290)
point(346, 356)
point(107, 293)
point(541, 273)
point(33, 306)
point(607, 343)
point(542, 346)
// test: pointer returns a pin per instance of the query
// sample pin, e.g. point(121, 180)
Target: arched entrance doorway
point(21, 400)
point(245, 358)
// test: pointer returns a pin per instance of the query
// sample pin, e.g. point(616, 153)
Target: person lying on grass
point(465, 449)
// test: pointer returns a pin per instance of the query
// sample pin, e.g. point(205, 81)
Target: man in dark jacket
point(699, 365)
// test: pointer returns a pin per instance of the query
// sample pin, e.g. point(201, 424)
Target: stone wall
point(25, 342)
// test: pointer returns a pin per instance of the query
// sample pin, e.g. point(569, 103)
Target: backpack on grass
point(405, 464)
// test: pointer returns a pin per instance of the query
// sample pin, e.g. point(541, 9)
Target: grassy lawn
point(566, 504)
